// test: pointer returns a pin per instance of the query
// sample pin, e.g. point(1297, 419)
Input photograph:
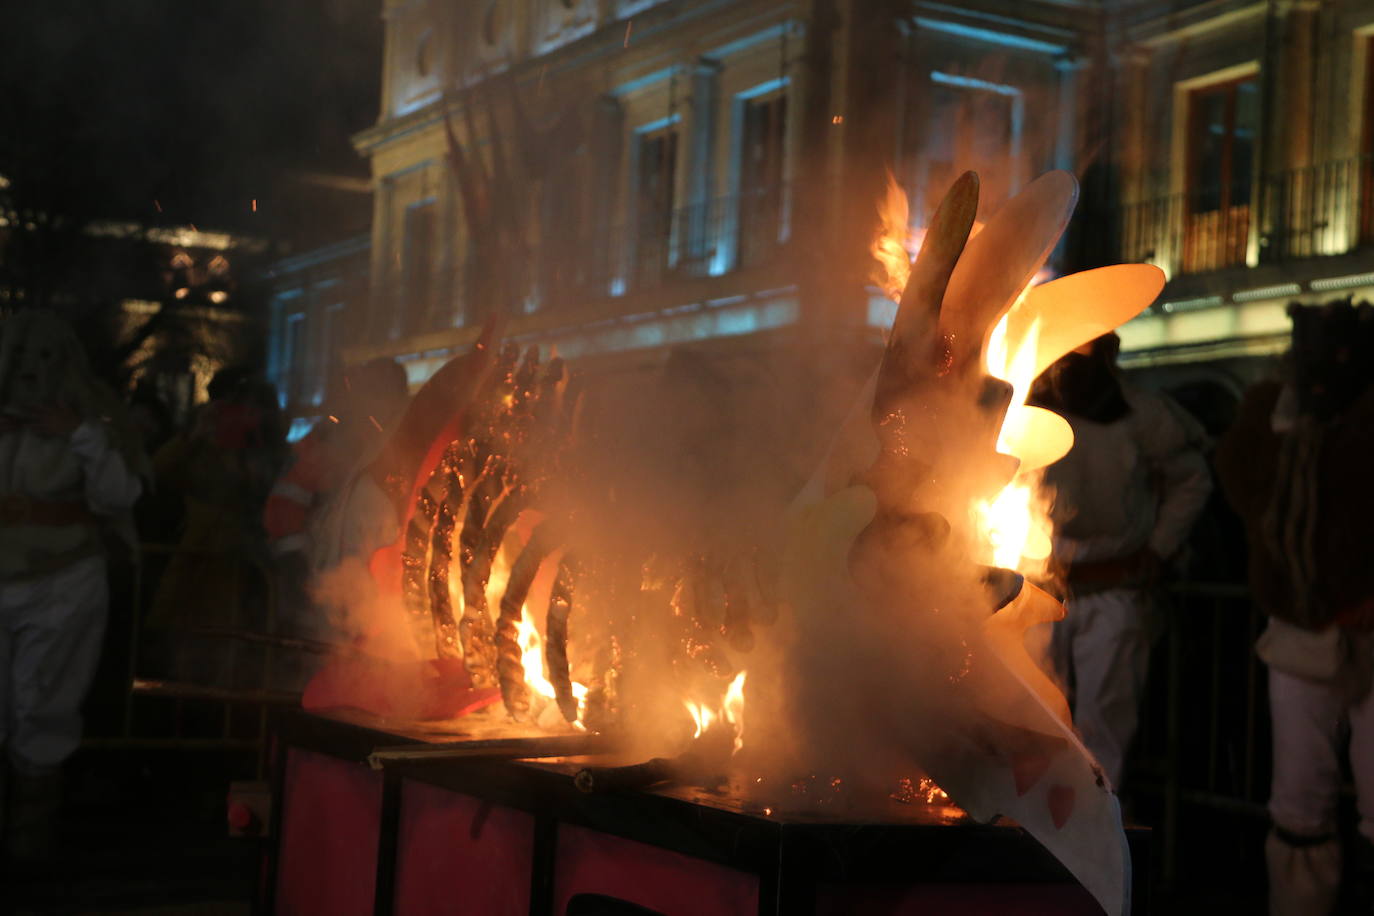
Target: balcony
point(660, 248)
point(1319, 210)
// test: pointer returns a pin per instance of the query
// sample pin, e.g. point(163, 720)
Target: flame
point(532, 660)
point(702, 717)
point(731, 711)
point(734, 708)
point(1015, 523)
point(896, 243)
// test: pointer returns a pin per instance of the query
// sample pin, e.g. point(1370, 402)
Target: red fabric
point(459, 855)
point(589, 862)
point(434, 689)
point(331, 821)
point(956, 900)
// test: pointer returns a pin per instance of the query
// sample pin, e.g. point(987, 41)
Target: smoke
point(360, 615)
point(677, 493)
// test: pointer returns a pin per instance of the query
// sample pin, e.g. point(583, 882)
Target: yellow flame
point(532, 660)
point(731, 711)
point(1014, 523)
point(734, 708)
point(702, 717)
point(893, 246)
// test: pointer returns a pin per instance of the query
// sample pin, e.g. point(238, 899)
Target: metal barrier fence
point(1203, 741)
point(256, 692)
point(1204, 736)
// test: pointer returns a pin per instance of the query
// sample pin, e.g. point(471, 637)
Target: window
point(294, 357)
point(655, 178)
point(762, 140)
point(417, 254)
point(1223, 122)
point(1221, 141)
point(965, 123)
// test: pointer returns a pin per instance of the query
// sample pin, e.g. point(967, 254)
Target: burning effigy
point(871, 627)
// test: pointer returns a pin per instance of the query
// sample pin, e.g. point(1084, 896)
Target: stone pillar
point(812, 235)
point(1293, 109)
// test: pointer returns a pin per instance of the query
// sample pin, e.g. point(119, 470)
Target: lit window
point(1223, 122)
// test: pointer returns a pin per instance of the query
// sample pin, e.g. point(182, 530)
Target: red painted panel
point(460, 855)
point(956, 900)
point(330, 823)
point(597, 863)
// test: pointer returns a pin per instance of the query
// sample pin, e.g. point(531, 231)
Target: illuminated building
point(709, 170)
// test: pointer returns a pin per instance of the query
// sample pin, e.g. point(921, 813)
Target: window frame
point(1193, 123)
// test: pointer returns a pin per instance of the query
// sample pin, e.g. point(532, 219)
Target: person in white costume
point(1125, 497)
point(69, 466)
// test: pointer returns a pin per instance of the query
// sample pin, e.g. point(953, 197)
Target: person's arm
point(1069, 550)
point(111, 486)
point(1173, 444)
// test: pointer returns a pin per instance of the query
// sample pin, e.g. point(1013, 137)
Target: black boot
point(35, 799)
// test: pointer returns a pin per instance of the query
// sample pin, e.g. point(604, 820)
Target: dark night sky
point(201, 105)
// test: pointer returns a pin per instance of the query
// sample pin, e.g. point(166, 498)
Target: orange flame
point(702, 717)
point(532, 660)
point(1015, 523)
point(734, 709)
point(731, 711)
point(895, 244)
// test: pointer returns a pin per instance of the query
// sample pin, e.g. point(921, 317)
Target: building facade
point(1244, 157)
point(311, 298)
point(677, 172)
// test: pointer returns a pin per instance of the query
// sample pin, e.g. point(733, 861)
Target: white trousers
point(1101, 651)
point(1311, 724)
point(51, 629)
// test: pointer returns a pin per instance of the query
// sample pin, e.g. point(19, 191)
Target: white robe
point(52, 624)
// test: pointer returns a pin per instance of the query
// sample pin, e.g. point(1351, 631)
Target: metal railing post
point(1169, 863)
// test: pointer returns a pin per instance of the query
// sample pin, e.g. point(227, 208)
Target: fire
point(734, 708)
point(731, 711)
point(1015, 523)
point(895, 244)
point(532, 660)
point(702, 717)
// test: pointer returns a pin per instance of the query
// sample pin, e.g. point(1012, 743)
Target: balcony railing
point(1317, 210)
point(658, 248)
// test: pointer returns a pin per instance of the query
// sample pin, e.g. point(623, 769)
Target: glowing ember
point(909, 791)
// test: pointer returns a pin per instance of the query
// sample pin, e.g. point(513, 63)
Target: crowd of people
point(220, 512)
point(87, 476)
